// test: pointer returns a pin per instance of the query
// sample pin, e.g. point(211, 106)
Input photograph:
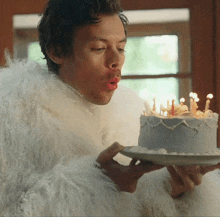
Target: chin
point(101, 102)
point(101, 99)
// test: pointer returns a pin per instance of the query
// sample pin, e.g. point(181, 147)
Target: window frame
point(182, 30)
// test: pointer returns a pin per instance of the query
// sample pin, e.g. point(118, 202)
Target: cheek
point(89, 63)
point(93, 67)
point(88, 66)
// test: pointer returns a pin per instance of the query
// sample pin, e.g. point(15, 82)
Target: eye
point(98, 49)
point(121, 50)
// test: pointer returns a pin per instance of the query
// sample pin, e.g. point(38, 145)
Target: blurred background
point(173, 46)
point(153, 51)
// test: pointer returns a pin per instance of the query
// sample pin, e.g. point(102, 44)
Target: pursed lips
point(111, 80)
point(113, 83)
point(114, 80)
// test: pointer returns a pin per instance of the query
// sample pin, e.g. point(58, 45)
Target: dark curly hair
point(61, 18)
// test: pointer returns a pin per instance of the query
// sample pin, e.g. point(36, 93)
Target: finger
point(174, 175)
point(139, 170)
point(193, 169)
point(196, 178)
point(206, 169)
point(147, 166)
point(109, 153)
point(133, 162)
point(190, 175)
point(188, 183)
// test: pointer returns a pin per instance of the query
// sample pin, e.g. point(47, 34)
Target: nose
point(115, 59)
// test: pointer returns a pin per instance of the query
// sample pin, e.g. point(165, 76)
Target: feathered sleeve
point(48, 149)
point(78, 189)
point(154, 190)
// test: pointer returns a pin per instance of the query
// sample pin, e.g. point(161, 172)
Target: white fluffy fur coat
point(49, 140)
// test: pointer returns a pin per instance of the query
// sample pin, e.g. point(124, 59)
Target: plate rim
point(173, 159)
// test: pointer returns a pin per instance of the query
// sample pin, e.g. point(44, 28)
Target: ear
point(54, 57)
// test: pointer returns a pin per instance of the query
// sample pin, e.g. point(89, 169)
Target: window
point(151, 55)
point(158, 56)
point(35, 54)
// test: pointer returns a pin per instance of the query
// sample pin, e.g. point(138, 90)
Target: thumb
point(109, 153)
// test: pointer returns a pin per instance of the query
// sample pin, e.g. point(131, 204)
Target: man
point(93, 66)
point(56, 158)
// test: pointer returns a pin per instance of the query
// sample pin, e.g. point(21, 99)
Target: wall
point(7, 9)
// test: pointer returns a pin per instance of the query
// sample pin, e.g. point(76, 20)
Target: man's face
point(94, 69)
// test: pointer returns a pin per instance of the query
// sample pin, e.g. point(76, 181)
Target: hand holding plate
point(125, 177)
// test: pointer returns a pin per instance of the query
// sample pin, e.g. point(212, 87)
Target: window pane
point(151, 55)
point(35, 54)
point(162, 88)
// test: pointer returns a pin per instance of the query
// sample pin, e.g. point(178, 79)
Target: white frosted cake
point(181, 134)
point(177, 129)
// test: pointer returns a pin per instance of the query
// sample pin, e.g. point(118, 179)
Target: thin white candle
point(172, 110)
point(209, 96)
point(154, 105)
point(182, 100)
point(195, 104)
point(195, 96)
point(191, 101)
point(168, 104)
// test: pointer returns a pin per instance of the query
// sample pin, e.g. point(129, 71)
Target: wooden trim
point(217, 50)
point(158, 29)
point(202, 52)
point(180, 75)
point(154, 4)
point(8, 8)
point(29, 35)
point(6, 29)
point(28, 6)
point(217, 61)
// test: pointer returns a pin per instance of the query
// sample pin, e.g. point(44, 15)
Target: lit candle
point(191, 101)
point(195, 96)
point(161, 108)
point(209, 96)
point(172, 111)
point(182, 100)
point(168, 104)
point(195, 104)
point(154, 105)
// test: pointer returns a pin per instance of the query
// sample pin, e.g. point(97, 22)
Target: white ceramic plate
point(171, 159)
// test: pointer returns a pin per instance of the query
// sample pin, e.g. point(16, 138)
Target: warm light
point(191, 94)
point(195, 96)
point(197, 99)
point(182, 100)
point(209, 96)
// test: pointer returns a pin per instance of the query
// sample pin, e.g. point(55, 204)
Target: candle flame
point(182, 100)
point(209, 96)
point(195, 95)
point(191, 94)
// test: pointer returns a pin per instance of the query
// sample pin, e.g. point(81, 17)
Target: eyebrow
point(95, 38)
